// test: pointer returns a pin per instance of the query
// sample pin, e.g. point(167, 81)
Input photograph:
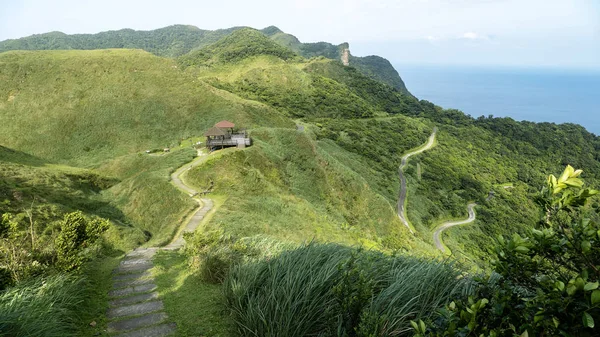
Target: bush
point(75, 240)
point(545, 283)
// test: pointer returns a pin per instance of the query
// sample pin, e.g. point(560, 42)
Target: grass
point(145, 195)
point(93, 309)
point(289, 187)
point(197, 307)
point(336, 290)
point(91, 106)
point(48, 307)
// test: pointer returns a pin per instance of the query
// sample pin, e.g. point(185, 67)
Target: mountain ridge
point(177, 40)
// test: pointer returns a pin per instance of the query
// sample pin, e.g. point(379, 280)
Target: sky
point(523, 33)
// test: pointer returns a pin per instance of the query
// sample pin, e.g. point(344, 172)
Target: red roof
point(225, 125)
point(214, 131)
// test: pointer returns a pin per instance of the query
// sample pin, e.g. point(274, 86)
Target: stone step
point(153, 331)
point(137, 322)
point(132, 282)
point(124, 277)
point(133, 299)
point(147, 252)
point(144, 288)
point(135, 261)
point(134, 309)
point(134, 268)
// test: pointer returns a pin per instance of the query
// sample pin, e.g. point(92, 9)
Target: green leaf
point(579, 283)
point(590, 286)
point(574, 182)
point(525, 334)
point(588, 320)
point(559, 285)
point(571, 289)
point(595, 297)
point(586, 246)
point(414, 325)
point(452, 306)
point(422, 325)
point(556, 322)
point(566, 174)
point(522, 249)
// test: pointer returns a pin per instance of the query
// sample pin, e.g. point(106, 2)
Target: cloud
point(472, 36)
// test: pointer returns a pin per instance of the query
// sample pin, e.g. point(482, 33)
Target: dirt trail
point(135, 309)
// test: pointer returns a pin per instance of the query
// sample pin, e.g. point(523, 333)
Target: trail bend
point(437, 235)
point(402, 196)
point(135, 308)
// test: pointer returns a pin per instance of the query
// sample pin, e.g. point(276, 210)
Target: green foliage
point(290, 187)
point(289, 89)
point(76, 234)
point(379, 69)
point(334, 290)
point(240, 44)
point(42, 307)
point(169, 41)
point(92, 106)
point(177, 40)
point(546, 282)
point(381, 96)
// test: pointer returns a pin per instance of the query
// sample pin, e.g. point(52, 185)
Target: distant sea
point(538, 95)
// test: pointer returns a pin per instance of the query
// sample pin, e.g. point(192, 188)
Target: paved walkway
point(437, 240)
point(135, 309)
point(403, 192)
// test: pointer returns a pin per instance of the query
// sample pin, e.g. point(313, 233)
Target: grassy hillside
point(83, 107)
point(169, 41)
point(237, 46)
point(177, 40)
point(290, 187)
point(313, 88)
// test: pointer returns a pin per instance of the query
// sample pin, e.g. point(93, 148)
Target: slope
point(177, 40)
point(84, 107)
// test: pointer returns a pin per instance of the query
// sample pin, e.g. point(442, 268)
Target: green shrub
point(45, 307)
point(75, 240)
point(545, 283)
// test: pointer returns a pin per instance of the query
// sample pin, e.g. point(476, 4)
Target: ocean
point(538, 95)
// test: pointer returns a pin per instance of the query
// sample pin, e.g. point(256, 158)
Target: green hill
point(177, 40)
point(83, 107)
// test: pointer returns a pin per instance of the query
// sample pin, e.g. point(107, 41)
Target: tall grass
point(332, 290)
point(43, 307)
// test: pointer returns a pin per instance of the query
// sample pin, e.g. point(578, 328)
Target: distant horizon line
point(555, 68)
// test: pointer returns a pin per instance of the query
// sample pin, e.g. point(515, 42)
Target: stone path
point(135, 309)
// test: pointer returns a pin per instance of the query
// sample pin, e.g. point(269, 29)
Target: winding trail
point(402, 197)
point(437, 235)
point(135, 309)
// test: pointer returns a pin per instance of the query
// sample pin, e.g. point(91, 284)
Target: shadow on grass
point(198, 308)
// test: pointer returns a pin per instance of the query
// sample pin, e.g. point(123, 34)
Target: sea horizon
point(537, 94)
